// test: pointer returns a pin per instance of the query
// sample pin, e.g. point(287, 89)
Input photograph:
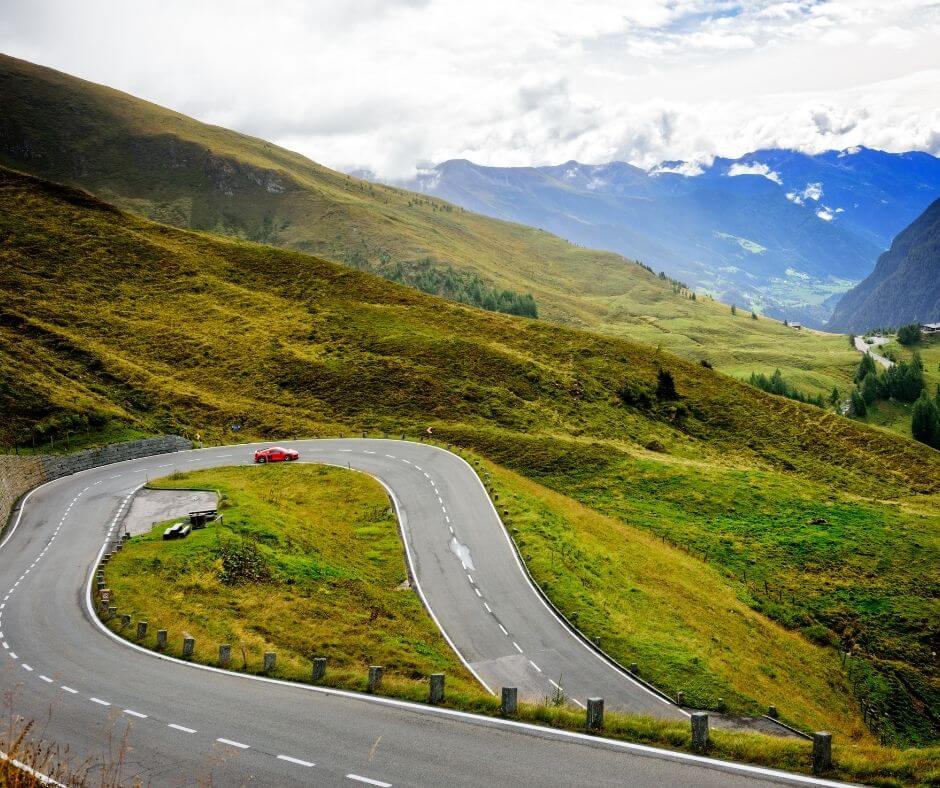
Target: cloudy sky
point(391, 85)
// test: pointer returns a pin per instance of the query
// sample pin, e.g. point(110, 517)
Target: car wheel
point(262, 460)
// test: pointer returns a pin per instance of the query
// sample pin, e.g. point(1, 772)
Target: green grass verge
point(328, 569)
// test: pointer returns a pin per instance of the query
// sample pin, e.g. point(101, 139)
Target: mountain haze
point(782, 231)
point(905, 285)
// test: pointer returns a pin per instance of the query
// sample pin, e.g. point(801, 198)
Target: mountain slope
point(173, 169)
point(176, 170)
point(106, 317)
point(905, 285)
point(780, 230)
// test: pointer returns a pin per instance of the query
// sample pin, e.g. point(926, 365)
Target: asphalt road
point(159, 721)
point(863, 347)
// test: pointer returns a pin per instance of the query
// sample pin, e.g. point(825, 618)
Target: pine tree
point(870, 388)
point(925, 421)
point(734, 309)
point(865, 366)
point(753, 315)
point(665, 386)
point(858, 405)
point(834, 396)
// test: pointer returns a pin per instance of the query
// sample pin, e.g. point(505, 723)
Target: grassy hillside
point(175, 170)
point(109, 319)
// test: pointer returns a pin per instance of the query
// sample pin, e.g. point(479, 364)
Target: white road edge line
point(45, 779)
point(616, 744)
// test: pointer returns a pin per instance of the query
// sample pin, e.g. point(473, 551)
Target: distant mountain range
point(780, 231)
point(905, 285)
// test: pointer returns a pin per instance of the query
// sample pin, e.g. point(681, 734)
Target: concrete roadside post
point(270, 659)
point(161, 639)
point(141, 630)
point(319, 669)
point(436, 688)
point(225, 655)
point(822, 752)
point(700, 731)
point(509, 701)
point(772, 712)
point(112, 611)
point(375, 677)
point(634, 668)
point(125, 620)
point(189, 645)
point(680, 698)
point(595, 714)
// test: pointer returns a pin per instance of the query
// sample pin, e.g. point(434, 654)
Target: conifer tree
point(858, 405)
point(925, 421)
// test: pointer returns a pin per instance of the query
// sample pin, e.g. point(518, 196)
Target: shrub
point(242, 562)
point(636, 394)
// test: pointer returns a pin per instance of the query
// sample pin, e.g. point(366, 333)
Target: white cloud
point(753, 168)
point(825, 214)
point(392, 85)
point(794, 197)
point(813, 191)
point(690, 169)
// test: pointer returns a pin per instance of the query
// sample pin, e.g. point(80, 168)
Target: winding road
point(161, 721)
point(863, 347)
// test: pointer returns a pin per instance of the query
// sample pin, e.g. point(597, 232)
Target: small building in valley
point(930, 328)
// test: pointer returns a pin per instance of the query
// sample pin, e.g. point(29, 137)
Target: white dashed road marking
point(70, 690)
point(176, 727)
point(368, 780)
point(231, 743)
point(99, 701)
point(517, 646)
point(294, 760)
point(135, 714)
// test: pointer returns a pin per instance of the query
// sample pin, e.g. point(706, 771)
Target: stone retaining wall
point(18, 475)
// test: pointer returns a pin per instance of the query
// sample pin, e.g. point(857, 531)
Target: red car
point(276, 454)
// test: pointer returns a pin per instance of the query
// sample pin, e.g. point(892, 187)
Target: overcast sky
point(391, 85)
